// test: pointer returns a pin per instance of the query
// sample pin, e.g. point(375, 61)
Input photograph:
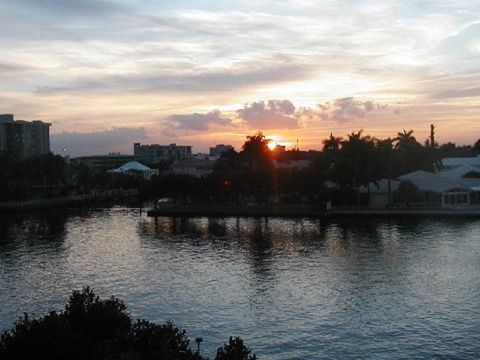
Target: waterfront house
point(380, 193)
point(444, 189)
point(439, 190)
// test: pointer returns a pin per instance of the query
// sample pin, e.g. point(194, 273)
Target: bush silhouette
point(235, 349)
point(92, 328)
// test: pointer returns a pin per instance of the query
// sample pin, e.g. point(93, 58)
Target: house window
point(465, 198)
point(459, 198)
point(446, 199)
point(452, 199)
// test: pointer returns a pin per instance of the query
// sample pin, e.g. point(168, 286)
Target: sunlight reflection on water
point(303, 288)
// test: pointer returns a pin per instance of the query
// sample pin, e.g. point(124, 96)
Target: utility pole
point(432, 136)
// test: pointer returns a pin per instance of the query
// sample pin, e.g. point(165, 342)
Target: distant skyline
point(107, 74)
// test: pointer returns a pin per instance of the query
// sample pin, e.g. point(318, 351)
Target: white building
point(134, 168)
point(446, 189)
point(455, 162)
point(441, 190)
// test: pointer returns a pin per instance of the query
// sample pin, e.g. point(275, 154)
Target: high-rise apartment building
point(23, 139)
point(156, 153)
point(4, 120)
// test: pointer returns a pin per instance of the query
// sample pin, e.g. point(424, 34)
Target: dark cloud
point(275, 114)
point(119, 139)
point(458, 93)
point(196, 121)
point(347, 109)
point(231, 79)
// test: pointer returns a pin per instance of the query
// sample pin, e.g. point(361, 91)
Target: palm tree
point(332, 143)
point(354, 136)
point(257, 156)
point(384, 162)
point(404, 138)
point(355, 166)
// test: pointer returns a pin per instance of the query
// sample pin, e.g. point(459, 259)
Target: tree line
point(252, 174)
point(335, 173)
point(49, 175)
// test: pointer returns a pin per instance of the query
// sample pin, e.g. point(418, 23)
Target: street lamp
point(198, 340)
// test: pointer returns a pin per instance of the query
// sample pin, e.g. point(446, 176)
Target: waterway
point(291, 288)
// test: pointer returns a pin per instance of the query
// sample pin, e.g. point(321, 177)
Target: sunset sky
point(110, 73)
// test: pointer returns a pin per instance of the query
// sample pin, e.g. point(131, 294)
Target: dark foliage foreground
point(92, 328)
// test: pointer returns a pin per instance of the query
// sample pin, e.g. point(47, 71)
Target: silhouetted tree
point(230, 177)
point(259, 167)
point(235, 349)
point(476, 146)
point(331, 144)
point(411, 155)
point(91, 328)
point(355, 165)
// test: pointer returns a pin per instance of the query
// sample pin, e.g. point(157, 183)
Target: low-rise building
point(156, 153)
point(135, 169)
point(193, 167)
point(103, 163)
point(439, 190)
point(445, 189)
point(380, 192)
point(456, 162)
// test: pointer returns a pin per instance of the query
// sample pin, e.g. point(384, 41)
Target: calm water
point(293, 289)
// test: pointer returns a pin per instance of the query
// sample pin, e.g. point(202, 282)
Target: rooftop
point(457, 173)
point(459, 161)
point(133, 165)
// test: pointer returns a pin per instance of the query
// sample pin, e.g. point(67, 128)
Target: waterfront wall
point(71, 200)
point(279, 210)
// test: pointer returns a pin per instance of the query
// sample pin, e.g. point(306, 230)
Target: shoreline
point(65, 201)
point(300, 211)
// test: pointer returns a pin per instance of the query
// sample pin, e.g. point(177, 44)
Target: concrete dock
point(276, 210)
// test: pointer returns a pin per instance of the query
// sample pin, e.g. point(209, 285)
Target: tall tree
point(332, 143)
point(355, 164)
point(405, 139)
point(260, 169)
point(411, 155)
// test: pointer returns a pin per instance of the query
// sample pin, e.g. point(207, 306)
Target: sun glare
point(272, 145)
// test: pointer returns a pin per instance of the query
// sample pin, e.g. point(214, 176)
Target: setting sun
point(272, 144)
